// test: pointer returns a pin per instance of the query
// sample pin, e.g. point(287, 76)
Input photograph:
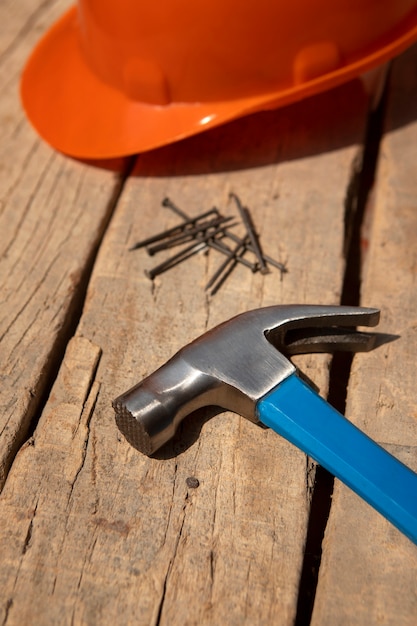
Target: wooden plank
point(53, 212)
point(91, 531)
point(368, 571)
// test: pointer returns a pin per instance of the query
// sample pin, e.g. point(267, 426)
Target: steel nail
point(215, 244)
point(250, 248)
point(251, 233)
point(182, 255)
point(167, 202)
point(267, 258)
point(230, 258)
point(220, 246)
point(190, 233)
point(180, 228)
point(175, 260)
point(271, 261)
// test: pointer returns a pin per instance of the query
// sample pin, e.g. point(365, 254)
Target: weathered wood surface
point(52, 216)
point(368, 574)
point(91, 531)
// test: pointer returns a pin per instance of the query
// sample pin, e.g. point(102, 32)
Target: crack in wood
point(8, 606)
point(171, 564)
point(66, 331)
point(85, 419)
point(28, 538)
point(362, 178)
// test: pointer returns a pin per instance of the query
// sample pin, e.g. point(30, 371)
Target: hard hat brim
point(81, 116)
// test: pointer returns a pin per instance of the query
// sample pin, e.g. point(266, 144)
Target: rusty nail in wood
point(167, 202)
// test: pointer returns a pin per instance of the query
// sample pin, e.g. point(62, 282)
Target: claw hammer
point(242, 365)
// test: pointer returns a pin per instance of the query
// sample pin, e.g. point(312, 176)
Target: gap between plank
point(321, 501)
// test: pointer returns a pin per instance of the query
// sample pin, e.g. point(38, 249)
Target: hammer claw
point(332, 339)
point(314, 320)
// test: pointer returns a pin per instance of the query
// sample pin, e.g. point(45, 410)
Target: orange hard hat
point(115, 78)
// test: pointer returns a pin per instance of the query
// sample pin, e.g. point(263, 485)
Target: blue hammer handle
point(295, 411)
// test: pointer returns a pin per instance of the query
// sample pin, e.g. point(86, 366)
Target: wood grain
point(91, 531)
point(53, 213)
point(368, 571)
point(212, 529)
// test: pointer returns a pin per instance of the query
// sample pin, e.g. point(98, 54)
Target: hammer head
point(234, 365)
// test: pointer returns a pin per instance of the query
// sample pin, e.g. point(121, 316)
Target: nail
point(215, 244)
point(220, 246)
point(251, 233)
point(167, 202)
point(182, 255)
point(173, 231)
point(175, 260)
point(186, 235)
point(267, 258)
point(277, 264)
point(232, 257)
point(250, 248)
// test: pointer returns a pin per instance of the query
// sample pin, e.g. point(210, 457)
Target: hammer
point(242, 365)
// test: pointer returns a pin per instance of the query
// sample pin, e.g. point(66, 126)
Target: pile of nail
point(209, 230)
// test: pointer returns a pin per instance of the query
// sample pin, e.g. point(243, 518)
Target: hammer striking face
point(240, 366)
